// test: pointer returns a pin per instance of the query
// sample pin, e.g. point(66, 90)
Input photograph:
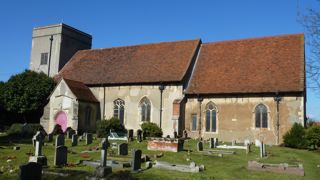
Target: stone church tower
point(54, 45)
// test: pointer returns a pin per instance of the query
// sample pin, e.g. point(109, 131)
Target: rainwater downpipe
point(51, 39)
point(161, 88)
point(200, 99)
point(278, 99)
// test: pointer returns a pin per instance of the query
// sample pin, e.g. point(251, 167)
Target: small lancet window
point(118, 109)
point(261, 113)
point(211, 118)
point(145, 109)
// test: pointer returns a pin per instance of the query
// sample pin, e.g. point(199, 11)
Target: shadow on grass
point(64, 174)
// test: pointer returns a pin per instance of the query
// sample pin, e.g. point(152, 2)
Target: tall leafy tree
point(26, 92)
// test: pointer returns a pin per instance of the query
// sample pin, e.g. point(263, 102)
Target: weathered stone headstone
point(200, 146)
point(212, 143)
point(38, 150)
point(264, 151)
point(88, 138)
point(216, 142)
point(144, 135)
point(248, 149)
point(123, 149)
point(59, 140)
point(30, 171)
point(130, 134)
point(70, 132)
point(261, 150)
point(175, 134)
point(38, 157)
point(50, 137)
point(185, 134)
point(136, 161)
point(139, 135)
point(103, 170)
point(60, 156)
point(34, 138)
point(74, 140)
point(104, 148)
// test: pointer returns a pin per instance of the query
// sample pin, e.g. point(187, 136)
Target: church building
point(234, 90)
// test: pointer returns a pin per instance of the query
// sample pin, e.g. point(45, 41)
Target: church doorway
point(61, 119)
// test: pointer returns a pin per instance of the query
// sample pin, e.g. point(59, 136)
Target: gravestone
point(130, 134)
point(211, 143)
point(104, 148)
point(60, 156)
point(38, 157)
point(216, 142)
point(136, 161)
point(233, 142)
point(88, 138)
point(175, 134)
point(200, 146)
point(50, 137)
point(30, 171)
point(185, 134)
point(264, 151)
point(103, 170)
point(59, 140)
point(144, 135)
point(70, 132)
point(261, 150)
point(74, 140)
point(38, 133)
point(139, 135)
point(248, 149)
point(123, 149)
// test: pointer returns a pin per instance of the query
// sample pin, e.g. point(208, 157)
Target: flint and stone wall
point(236, 118)
point(132, 96)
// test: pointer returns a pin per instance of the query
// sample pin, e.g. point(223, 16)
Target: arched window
point(261, 113)
point(145, 109)
point(88, 116)
point(118, 109)
point(211, 118)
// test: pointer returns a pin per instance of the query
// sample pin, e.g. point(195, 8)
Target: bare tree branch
point(311, 23)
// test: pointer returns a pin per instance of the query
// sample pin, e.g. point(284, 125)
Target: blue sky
point(118, 23)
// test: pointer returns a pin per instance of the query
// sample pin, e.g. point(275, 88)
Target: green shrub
point(104, 127)
point(313, 136)
point(24, 130)
point(295, 137)
point(15, 130)
point(151, 129)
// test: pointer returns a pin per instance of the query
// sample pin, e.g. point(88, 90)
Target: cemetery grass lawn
point(227, 167)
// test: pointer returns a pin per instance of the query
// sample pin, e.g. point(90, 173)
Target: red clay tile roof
point(149, 63)
point(81, 91)
point(258, 65)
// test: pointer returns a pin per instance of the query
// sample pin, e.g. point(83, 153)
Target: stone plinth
point(42, 160)
point(102, 172)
